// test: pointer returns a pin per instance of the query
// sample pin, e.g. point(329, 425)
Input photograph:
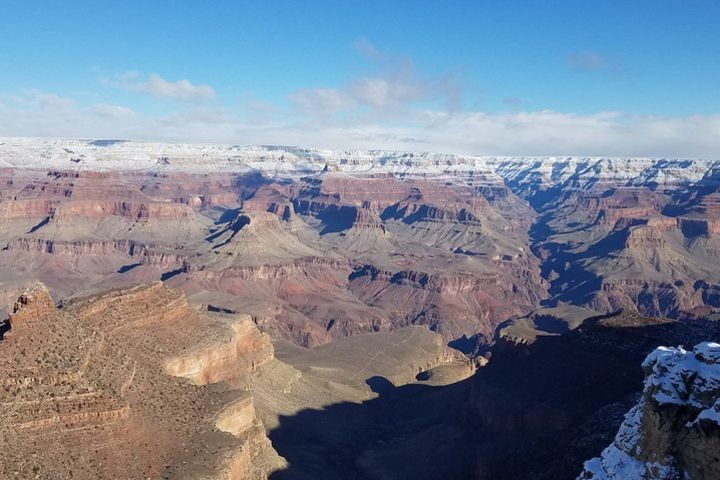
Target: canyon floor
point(206, 311)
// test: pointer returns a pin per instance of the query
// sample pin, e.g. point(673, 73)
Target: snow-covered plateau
point(281, 161)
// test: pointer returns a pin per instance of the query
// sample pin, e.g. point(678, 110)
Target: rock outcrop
point(232, 362)
point(674, 430)
point(90, 390)
point(30, 314)
point(554, 392)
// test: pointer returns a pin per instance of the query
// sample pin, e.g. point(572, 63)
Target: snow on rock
point(280, 161)
point(674, 431)
point(675, 376)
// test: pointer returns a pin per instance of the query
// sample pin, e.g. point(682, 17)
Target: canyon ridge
point(208, 311)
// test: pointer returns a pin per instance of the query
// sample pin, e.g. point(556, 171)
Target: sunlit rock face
point(90, 390)
point(674, 430)
point(230, 362)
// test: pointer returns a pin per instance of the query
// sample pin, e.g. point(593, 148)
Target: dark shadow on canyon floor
point(534, 412)
point(406, 432)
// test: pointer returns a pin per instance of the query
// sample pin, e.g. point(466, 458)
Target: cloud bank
point(520, 133)
point(391, 106)
point(156, 86)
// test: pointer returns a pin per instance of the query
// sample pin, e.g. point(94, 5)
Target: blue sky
point(494, 77)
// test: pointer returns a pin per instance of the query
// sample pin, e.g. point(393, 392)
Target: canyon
point(224, 311)
point(319, 245)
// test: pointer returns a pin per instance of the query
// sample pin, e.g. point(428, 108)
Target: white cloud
point(158, 87)
point(51, 101)
point(181, 89)
point(389, 107)
point(380, 94)
point(321, 101)
point(391, 88)
point(385, 94)
point(34, 98)
point(112, 111)
point(520, 133)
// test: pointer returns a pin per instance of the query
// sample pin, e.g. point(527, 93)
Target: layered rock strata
point(91, 390)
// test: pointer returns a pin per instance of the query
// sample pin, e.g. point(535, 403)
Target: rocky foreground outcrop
point(674, 430)
point(95, 389)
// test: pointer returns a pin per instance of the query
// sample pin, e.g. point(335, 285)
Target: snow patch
point(673, 377)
